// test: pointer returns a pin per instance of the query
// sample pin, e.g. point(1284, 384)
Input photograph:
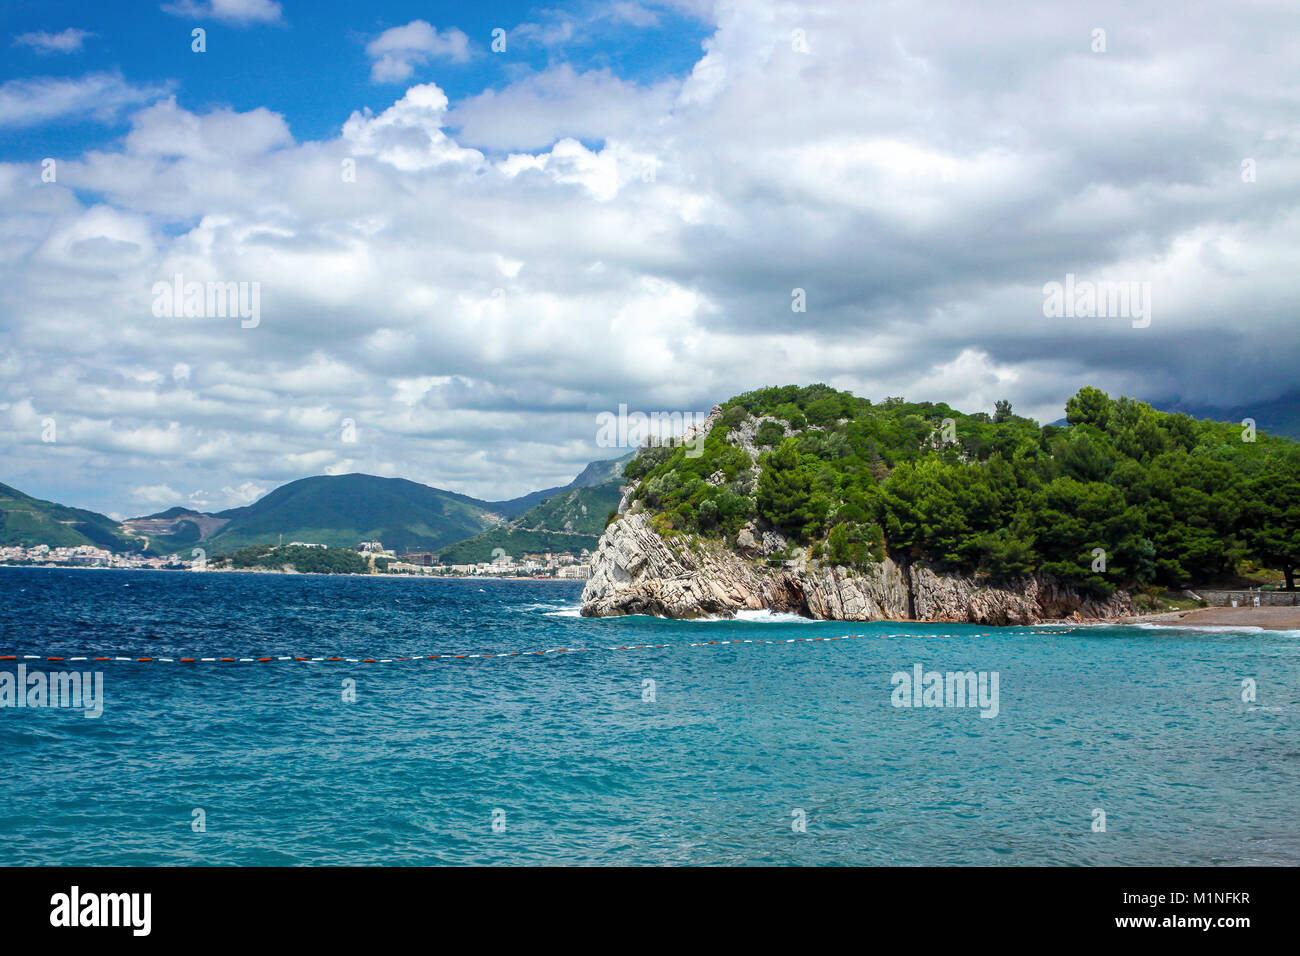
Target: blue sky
point(464, 259)
point(310, 63)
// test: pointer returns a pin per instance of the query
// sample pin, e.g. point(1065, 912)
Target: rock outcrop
point(635, 571)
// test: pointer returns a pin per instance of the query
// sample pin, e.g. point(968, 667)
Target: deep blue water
point(1145, 724)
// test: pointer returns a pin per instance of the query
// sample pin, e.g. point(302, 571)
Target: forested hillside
point(1167, 499)
point(26, 521)
point(341, 510)
point(567, 521)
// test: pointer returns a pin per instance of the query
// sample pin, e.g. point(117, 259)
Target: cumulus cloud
point(398, 51)
point(66, 41)
point(470, 284)
point(534, 112)
point(245, 493)
point(408, 135)
point(162, 495)
point(221, 137)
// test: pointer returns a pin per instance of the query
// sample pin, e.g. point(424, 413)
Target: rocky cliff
point(636, 571)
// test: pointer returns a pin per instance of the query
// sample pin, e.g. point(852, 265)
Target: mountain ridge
point(336, 510)
point(29, 521)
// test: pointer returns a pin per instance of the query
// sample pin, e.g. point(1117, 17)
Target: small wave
point(1212, 628)
point(766, 616)
point(573, 610)
point(550, 609)
point(761, 616)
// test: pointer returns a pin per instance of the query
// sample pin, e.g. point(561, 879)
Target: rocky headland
point(817, 502)
point(636, 571)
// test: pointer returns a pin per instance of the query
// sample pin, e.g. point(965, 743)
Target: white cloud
point(245, 493)
point(920, 176)
point(237, 12)
point(66, 41)
point(166, 130)
point(632, 13)
point(534, 112)
point(554, 33)
point(408, 135)
point(560, 27)
point(161, 496)
point(101, 97)
point(398, 51)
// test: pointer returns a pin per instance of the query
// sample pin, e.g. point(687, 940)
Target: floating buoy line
point(119, 659)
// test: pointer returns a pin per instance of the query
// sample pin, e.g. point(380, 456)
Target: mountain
point(818, 502)
point(569, 520)
point(170, 513)
point(602, 472)
point(582, 510)
point(341, 511)
point(1279, 416)
point(174, 529)
point(344, 510)
point(596, 473)
point(27, 521)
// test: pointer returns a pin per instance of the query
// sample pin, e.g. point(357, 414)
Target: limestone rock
point(635, 571)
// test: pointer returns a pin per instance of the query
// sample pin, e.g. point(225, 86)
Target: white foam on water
point(763, 616)
point(573, 610)
point(1213, 628)
point(766, 616)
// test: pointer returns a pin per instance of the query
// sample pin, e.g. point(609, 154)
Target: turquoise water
point(1147, 725)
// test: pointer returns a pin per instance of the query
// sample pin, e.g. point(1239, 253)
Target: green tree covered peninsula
point(1169, 500)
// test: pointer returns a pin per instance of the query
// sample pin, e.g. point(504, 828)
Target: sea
point(481, 722)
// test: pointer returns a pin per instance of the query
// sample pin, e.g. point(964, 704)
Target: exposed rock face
point(742, 436)
point(1028, 600)
point(634, 571)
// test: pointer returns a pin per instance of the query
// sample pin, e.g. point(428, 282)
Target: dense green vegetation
point(26, 521)
point(297, 558)
point(581, 511)
point(604, 472)
point(342, 510)
point(339, 511)
point(1169, 499)
point(484, 547)
point(569, 520)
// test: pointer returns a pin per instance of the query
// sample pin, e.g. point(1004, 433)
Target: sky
point(467, 234)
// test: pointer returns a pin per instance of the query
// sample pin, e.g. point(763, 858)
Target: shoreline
point(1268, 618)
point(319, 574)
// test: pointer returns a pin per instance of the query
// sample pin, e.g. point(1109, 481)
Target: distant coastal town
point(304, 557)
